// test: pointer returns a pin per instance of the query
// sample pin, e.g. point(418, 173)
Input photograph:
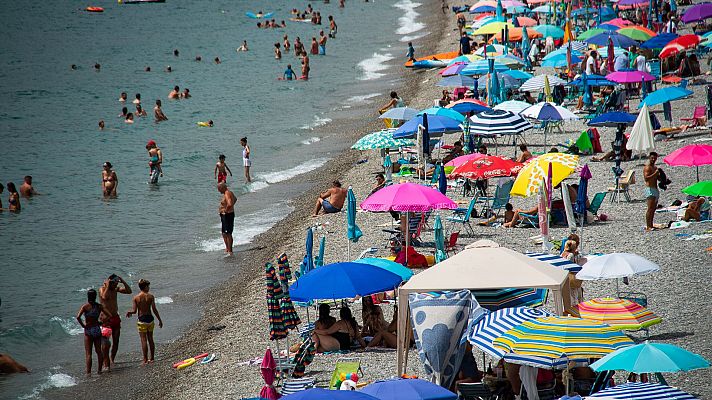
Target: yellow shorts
point(145, 327)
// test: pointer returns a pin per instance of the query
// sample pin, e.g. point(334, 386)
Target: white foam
point(311, 140)
point(407, 22)
point(250, 225)
point(258, 185)
point(164, 300)
point(410, 38)
point(318, 121)
point(54, 380)
point(280, 176)
point(69, 325)
point(372, 66)
point(361, 99)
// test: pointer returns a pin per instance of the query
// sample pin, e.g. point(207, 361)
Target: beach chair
point(698, 116)
point(499, 201)
point(462, 216)
point(451, 245)
point(596, 203)
point(530, 219)
point(295, 385)
point(475, 391)
point(345, 366)
point(623, 185)
point(635, 297)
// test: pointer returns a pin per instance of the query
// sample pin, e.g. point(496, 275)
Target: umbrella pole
point(407, 237)
point(698, 173)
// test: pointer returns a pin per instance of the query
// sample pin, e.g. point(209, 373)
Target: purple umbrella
point(697, 12)
point(633, 2)
point(629, 77)
point(619, 40)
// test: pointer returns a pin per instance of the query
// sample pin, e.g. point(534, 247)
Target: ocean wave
point(410, 38)
point(69, 325)
point(361, 99)
point(54, 380)
point(280, 176)
point(251, 225)
point(164, 300)
point(318, 121)
point(258, 185)
point(372, 66)
point(407, 22)
point(311, 140)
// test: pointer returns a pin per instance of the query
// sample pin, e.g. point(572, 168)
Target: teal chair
point(462, 216)
point(497, 203)
point(597, 202)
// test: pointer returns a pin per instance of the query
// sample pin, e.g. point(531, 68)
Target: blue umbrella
point(343, 280)
point(400, 113)
point(650, 14)
point(587, 96)
point(618, 40)
point(563, 51)
point(642, 391)
point(499, 11)
point(436, 124)
point(493, 95)
point(505, 80)
point(483, 9)
point(665, 95)
point(651, 357)
point(353, 232)
point(411, 389)
point(613, 119)
point(583, 10)
point(469, 107)
point(644, 91)
point(404, 272)
point(608, 27)
point(324, 394)
point(442, 180)
point(560, 61)
point(518, 75)
point(456, 81)
point(658, 42)
point(443, 112)
point(480, 67)
point(591, 80)
point(308, 263)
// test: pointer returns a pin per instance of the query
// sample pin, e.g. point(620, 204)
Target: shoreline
point(241, 295)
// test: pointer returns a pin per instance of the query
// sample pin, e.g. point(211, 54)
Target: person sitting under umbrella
point(526, 154)
point(325, 321)
point(696, 210)
point(345, 331)
point(469, 373)
point(374, 325)
point(516, 218)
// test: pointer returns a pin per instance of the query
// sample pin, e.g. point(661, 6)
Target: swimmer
point(97, 67)
point(198, 58)
point(305, 70)
point(277, 52)
point(129, 118)
point(314, 47)
point(175, 93)
point(221, 169)
point(122, 97)
point(158, 112)
point(147, 69)
point(322, 43)
point(26, 189)
point(341, 3)
point(137, 100)
point(318, 18)
point(169, 69)
point(287, 45)
point(124, 112)
point(185, 94)
point(208, 124)
point(259, 25)
point(101, 125)
point(298, 46)
point(73, 67)
point(175, 52)
point(333, 28)
point(140, 112)
point(283, 24)
point(217, 60)
point(109, 180)
point(243, 47)
point(289, 73)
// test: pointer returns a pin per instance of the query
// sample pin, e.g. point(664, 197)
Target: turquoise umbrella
point(550, 30)
point(319, 261)
point(440, 254)
point(499, 11)
point(388, 265)
point(649, 358)
point(443, 112)
point(381, 140)
point(353, 233)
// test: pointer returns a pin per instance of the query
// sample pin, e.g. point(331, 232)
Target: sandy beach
point(677, 292)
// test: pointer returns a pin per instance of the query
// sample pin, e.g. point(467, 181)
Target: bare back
point(337, 197)
point(144, 302)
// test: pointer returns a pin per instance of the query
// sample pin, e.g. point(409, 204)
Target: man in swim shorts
point(227, 216)
point(108, 293)
point(331, 201)
point(652, 194)
point(322, 43)
point(143, 304)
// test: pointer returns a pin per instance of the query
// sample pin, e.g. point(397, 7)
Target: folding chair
point(462, 216)
point(596, 203)
point(475, 391)
point(345, 366)
point(451, 244)
point(530, 219)
point(698, 115)
point(295, 385)
point(623, 186)
point(499, 201)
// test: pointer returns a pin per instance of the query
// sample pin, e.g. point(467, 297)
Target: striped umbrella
point(493, 325)
point(381, 140)
point(622, 314)
point(556, 261)
point(277, 328)
point(289, 314)
point(498, 122)
point(538, 83)
point(558, 337)
point(643, 391)
point(514, 106)
point(496, 299)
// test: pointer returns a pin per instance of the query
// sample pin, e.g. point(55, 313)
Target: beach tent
point(482, 265)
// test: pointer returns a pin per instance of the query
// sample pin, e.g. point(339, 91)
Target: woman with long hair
point(91, 310)
point(14, 200)
point(344, 331)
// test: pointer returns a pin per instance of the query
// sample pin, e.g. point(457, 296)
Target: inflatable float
point(429, 64)
point(189, 361)
point(208, 359)
point(94, 9)
point(445, 57)
point(253, 15)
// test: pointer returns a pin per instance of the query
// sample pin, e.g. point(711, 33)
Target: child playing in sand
point(144, 304)
point(221, 168)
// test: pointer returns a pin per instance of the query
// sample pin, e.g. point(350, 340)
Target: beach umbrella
point(325, 394)
point(498, 122)
point(388, 265)
point(440, 254)
point(518, 74)
point(277, 328)
point(610, 56)
point(483, 9)
point(463, 59)
point(493, 87)
point(513, 106)
point(499, 12)
point(642, 391)
point(509, 60)
point(543, 10)
point(613, 119)
point(698, 12)
point(483, 3)
point(578, 45)
point(457, 80)
point(664, 95)
point(506, 81)
point(443, 112)
point(563, 51)
point(617, 39)
point(619, 313)
point(482, 67)
point(344, 280)
point(649, 358)
point(637, 33)
point(619, 22)
point(679, 44)
point(308, 263)
point(289, 314)
point(525, 48)
point(491, 49)
point(407, 197)
point(641, 137)
point(544, 206)
point(629, 77)
point(486, 167)
point(546, 111)
point(538, 82)
point(380, 140)
point(536, 169)
point(267, 369)
point(525, 21)
point(516, 35)
point(453, 68)
point(496, 299)
point(400, 113)
point(692, 155)
point(492, 28)
point(353, 232)
point(592, 80)
point(632, 3)
point(614, 266)
point(436, 124)
point(415, 389)
point(590, 33)
point(466, 106)
point(550, 31)
point(442, 179)
point(703, 188)
point(555, 261)
point(319, 261)
point(560, 61)
point(587, 95)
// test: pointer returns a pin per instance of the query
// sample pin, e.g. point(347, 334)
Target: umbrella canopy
point(353, 232)
point(517, 34)
point(536, 169)
point(407, 197)
point(550, 31)
point(560, 61)
point(659, 41)
point(267, 369)
point(324, 394)
point(517, 74)
point(613, 119)
point(497, 299)
point(415, 389)
point(703, 188)
point(660, 96)
point(641, 136)
point(538, 82)
point(620, 313)
point(486, 167)
point(388, 265)
point(637, 33)
point(492, 28)
point(343, 280)
point(562, 51)
point(454, 68)
point(679, 44)
point(465, 106)
point(617, 39)
point(436, 124)
point(443, 112)
point(549, 112)
point(629, 77)
point(381, 140)
point(457, 80)
point(556, 261)
point(457, 161)
point(498, 122)
point(650, 358)
point(494, 324)
point(526, 21)
point(442, 180)
point(400, 113)
point(558, 337)
point(698, 12)
point(440, 254)
point(592, 80)
point(642, 391)
point(614, 266)
point(505, 80)
point(544, 9)
point(591, 33)
point(482, 67)
point(513, 106)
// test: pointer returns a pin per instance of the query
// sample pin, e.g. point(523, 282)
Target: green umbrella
point(381, 140)
point(703, 188)
point(590, 33)
point(440, 254)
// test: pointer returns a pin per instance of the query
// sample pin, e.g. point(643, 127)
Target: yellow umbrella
point(536, 169)
point(547, 90)
point(492, 28)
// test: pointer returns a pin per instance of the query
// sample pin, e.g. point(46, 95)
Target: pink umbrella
point(268, 369)
point(619, 22)
point(457, 161)
point(693, 155)
point(453, 69)
point(629, 76)
point(526, 21)
point(407, 197)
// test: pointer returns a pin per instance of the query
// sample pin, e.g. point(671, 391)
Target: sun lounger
point(345, 366)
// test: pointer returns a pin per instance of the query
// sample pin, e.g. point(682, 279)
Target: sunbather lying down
point(516, 218)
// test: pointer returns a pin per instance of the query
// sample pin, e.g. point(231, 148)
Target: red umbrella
point(679, 45)
point(267, 369)
point(486, 167)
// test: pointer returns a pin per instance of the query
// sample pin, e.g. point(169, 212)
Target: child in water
point(289, 73)
point(221, 169)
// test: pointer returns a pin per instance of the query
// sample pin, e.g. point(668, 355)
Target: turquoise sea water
point(69, 239)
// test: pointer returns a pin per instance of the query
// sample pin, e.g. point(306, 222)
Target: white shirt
point(671, 27)
point(640, 63)
point(590, 66)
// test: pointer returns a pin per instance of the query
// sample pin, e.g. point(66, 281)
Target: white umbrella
point(537, 83)
point(641, 137)
point(549, 112)
point(400, 113)
point(514, 106)
point(616, 265)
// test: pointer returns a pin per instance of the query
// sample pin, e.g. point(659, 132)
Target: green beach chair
point(462, 216)
point(596, 203)
point(345, 366)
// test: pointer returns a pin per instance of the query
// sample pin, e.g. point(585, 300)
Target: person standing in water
point(109, 180)
point(27, 190)
point(277, 51)
point(322, 43)
point(14, 199)
point(289, 73)
point(108, 293)
point(155, 158)
point(246, 162)
point(175, 93)
point(221, 169)
point(144, 304)
point(158, 112)
point(243, 47)
point(333, 28)
point(298, 47)
point(92, 330)
point(227, 216)
point(314, 47)
point(286, 44)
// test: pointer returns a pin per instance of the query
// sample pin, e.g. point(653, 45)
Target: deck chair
point(451, 245)
point(596, 203)
point(499, 201)
point(295, 385)
point(463, 215)
point(530, 219)
point(475, 391)
point(345, 366)
point(699, 117)
point(623, 186)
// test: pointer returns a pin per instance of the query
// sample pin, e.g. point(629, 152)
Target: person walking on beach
point(158, 112)
point(108, 293)
point(145, 305)
point(221, 169)
point(246, 162)
point(227, 216)
point(652, 194)
point(322, 43)
point(109, 180)
point(465, 47)
point(332, 201)
point(393, 103)
point(92, 330)
point(411, 52)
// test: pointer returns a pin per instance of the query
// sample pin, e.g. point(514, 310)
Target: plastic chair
point(700, 113)
point(462, 216)
point(345, 366)
point(623, 186)
point(475, 391)
point(451, 244)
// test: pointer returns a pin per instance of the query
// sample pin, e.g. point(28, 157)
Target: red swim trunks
point(222, 177)
point(115, 322)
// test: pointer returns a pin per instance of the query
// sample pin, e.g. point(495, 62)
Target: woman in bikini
point(345, 331)
point(14, 200)
point(92, 330)
point(109, 180)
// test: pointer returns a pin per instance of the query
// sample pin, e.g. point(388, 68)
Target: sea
point(69, 238)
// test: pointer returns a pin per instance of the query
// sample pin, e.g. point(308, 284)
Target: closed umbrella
point(641, 137)
point(388, 265)
point(619, 313)
point(319, 262)
point(343, 280)
point(267, 369)
point(426, 137)
point(442, 180)
point(703, 188)
point(611, 56)
point(525, 48)
point(440, 254)
point(536, 169)
point(412, 389)
point(649, 358)
point(308, 263)
point(616, 265)
point(543, 212)
point(289, 314)
point(692, 155)
point(499, 14)
point(353, 232)
point(642, 391)
point(277, 329)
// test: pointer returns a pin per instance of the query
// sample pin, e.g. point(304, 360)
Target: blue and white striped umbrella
point(556, 261)
point(642, 391)
point(498, 122)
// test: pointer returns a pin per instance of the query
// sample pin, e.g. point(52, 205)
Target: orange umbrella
point(526, 21)
point(515, 34)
